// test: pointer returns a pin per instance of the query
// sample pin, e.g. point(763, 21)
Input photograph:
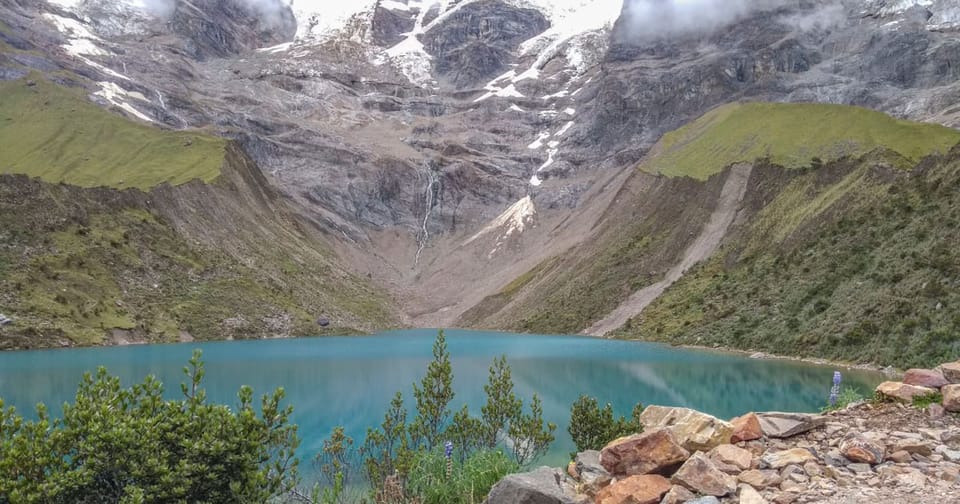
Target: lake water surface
point(349, 381)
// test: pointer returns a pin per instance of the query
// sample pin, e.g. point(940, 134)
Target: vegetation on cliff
point(99, 265)
point(791, 135)
point(839, 253)
point(54, 133)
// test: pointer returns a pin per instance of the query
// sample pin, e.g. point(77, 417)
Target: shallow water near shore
point(349, 381)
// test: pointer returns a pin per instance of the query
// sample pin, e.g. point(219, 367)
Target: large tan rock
point(731, 455)
point(784, 425)
point(951, 371)
point(951, 398)
point(699, 475)
point(694, 430)
point(781, 459)
point(750, 496)
point(902, 392)
point(860, 449)
point(746, 428)
point(655, 451)
point(640, 489)
point(925, 378)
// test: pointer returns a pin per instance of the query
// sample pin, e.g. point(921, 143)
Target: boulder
point(589, 471)
point(541, 486)
point(784, 425)
point(748, 495)
point(731, 455)
point(694, 430)
point(951, 398)
point(781, 459)
point(760, 478)
point(746, 428)
point(951, 371)
point(699, 475)
point(901, 391)
point(925, 378)
point(640, 489)
point(656, 451)
point(678, 495)
point(858, 448)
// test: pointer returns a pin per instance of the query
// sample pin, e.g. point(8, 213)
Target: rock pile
point(944, 380)
point(868, 452)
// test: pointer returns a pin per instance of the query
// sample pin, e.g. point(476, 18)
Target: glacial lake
point(349, 381)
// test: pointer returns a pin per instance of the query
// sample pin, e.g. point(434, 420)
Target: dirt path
point(705, 245)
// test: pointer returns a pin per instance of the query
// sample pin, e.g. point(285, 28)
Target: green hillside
point(851, 259)
point(789, 135)
point(870, 276)
point(55, 133)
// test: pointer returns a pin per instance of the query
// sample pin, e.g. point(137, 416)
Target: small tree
point(336, 460)
point(465, 433)
point(433, 396)
point(502, 405)
point(386, 450)
point(592, 428)
point(530, 438)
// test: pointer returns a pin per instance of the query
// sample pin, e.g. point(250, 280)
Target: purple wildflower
point(835, 390)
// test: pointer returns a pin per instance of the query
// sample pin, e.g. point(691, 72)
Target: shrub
point(130, 445)
point(468, 482)
point(924, 401)
point(592, 428)
point(849, 396)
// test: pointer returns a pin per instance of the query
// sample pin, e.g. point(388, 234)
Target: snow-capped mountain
point(411, 126)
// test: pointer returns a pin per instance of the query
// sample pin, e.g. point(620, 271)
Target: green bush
point(924, 401)
point(849, 396)
point(467, 482)
point(116, 445)
point(592, 428)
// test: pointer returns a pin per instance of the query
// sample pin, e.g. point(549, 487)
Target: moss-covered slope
point(185, 260)
point(55, 133)
point(842, 254)
point(855, 261)
point(789, 135)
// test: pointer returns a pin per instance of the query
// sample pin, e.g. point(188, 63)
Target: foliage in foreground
point(467, 482)
point(129, 445)
point(397, 454)
point(592, 428)
point(849, 396)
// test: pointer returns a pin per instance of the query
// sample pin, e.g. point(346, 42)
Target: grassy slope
point(872, 277)
point(77, 264)
point(56, 134)
point(847, 261)
point(790, 135)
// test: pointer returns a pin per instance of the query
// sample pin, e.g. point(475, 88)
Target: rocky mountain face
point(444, 143)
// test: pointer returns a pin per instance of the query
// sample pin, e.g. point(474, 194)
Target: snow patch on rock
point(118, 96)
point(514, 219)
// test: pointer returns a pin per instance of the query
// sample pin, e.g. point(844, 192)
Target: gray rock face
point(541, 486)
point(478, 41)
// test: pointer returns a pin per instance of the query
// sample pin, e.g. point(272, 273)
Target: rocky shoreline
point(892, 449)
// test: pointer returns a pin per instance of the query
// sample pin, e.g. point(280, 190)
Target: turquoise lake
point(349, 381)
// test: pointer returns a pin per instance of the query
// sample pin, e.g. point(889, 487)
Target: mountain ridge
point(399, 170)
